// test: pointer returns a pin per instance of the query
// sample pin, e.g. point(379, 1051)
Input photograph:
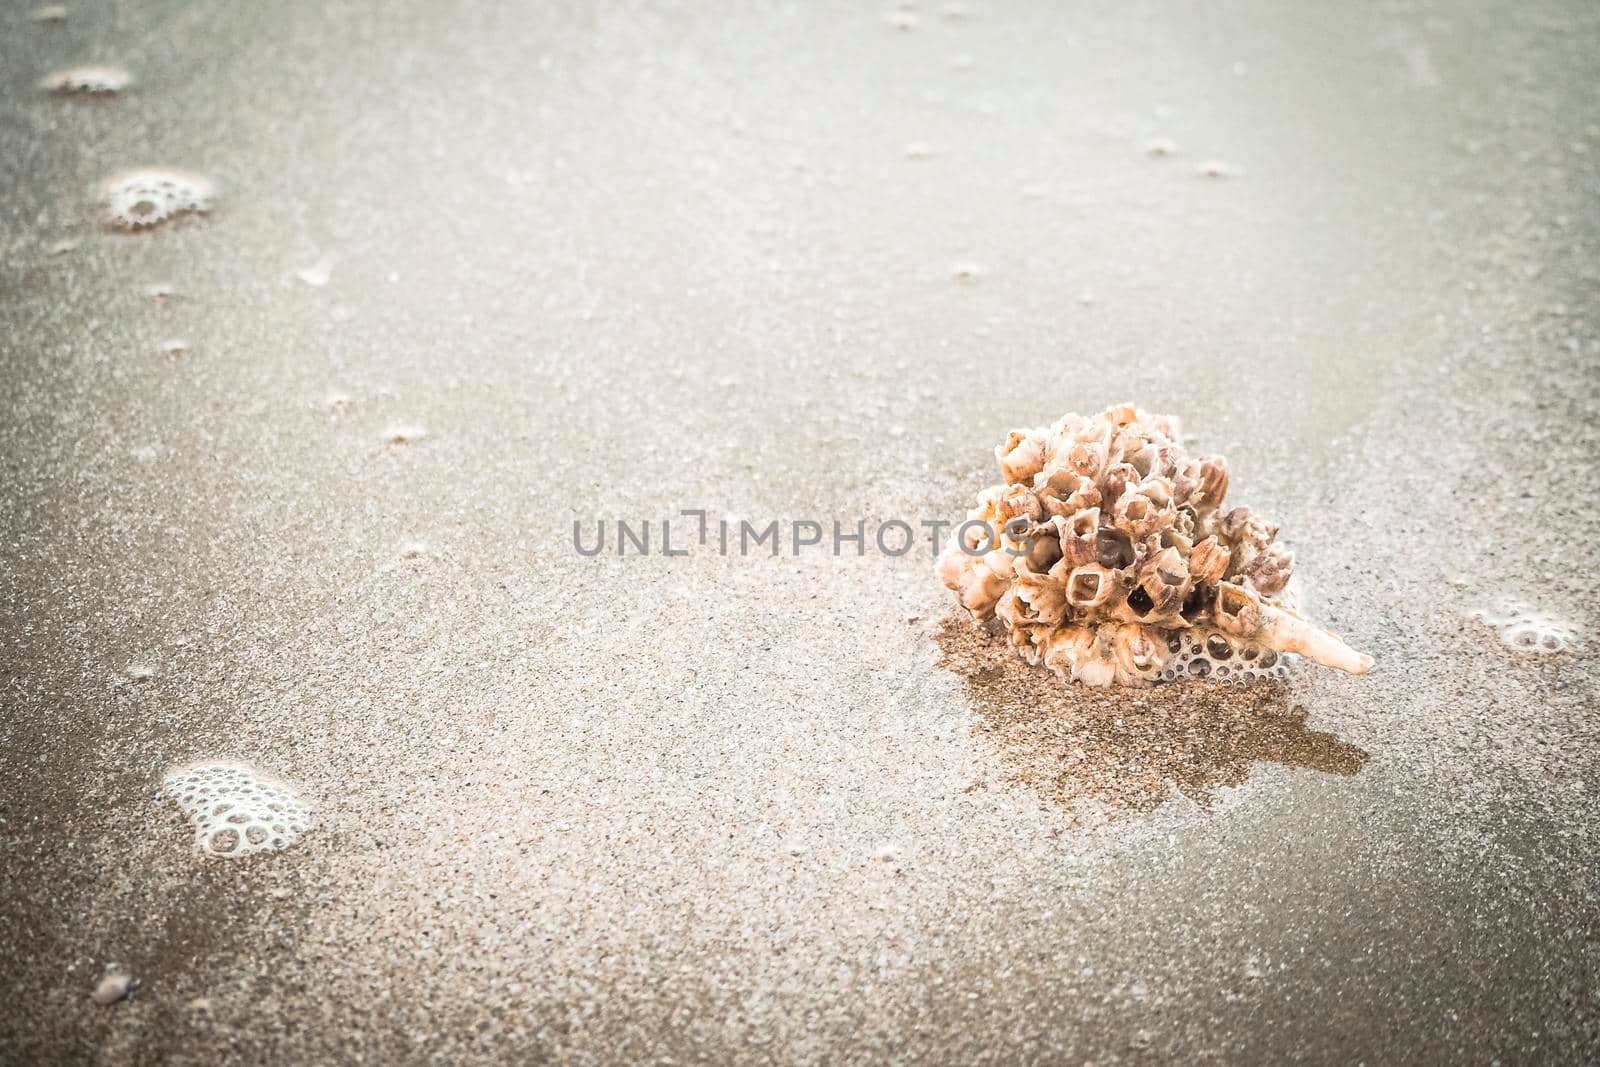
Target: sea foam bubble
point(86, 81)
point(1526, 630)
point(237, 810)
point(140, 199)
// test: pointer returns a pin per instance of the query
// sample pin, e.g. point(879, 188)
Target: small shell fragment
point(112, 988)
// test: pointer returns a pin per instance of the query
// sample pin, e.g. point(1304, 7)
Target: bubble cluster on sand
point(1526, 630)
point(140, 199)
point(1206, 652)
point(92, 80)
point(237, 810)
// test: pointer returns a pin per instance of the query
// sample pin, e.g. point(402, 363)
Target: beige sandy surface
point(790, 261)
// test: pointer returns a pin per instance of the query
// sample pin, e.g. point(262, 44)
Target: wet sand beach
point(292, 483)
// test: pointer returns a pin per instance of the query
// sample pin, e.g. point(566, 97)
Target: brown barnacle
point(1057, 480)
point(1197, 605)
point(1166, 581)
point(1179, 535)
point(1141, 652)
point(1208, 561)
point(1186, 481)
point(1061, 648)
point(1022, 456)
point(1147, 460)
point(1080, 537)
point(1113, 482)
point(978, 587)
point(1096, 663)
point(1087, 496)
point(1270, 570)
point(1045, 550)
point(1238, 610)
point(1044, 593)
point(1090, 454)
point(1018, 501)
point(1092, 586)
point(1156, 595)
point(1013, 611)
point(1070, 425)
point(1145, 508)
point(1243, 526)
point(1115, 548)
point(1213, 484)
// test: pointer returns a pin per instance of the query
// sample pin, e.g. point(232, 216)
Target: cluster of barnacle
point(1107, 556)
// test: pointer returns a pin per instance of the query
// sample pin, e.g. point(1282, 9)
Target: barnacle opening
point(1116, 548)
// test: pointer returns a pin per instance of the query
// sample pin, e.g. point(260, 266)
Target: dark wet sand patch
point(1114, 753)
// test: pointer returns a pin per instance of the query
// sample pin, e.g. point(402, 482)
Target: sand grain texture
point(622, 259)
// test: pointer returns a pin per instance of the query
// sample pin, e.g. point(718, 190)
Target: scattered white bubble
point(1161, 147)
point(413, 550)
point(141, 670)
point(404, 434)
point(50, 13)
point(968, 272)
point(140, 199)
point(237, 810)
point(901, 19)
point(1216, 168)
point(1526, 630)
point(174, 348)
point(86, 81)
point(918, 150)
point(338, 403)
point(318, 273)
point(112, 988)
point(159, 290)
point(62, 247)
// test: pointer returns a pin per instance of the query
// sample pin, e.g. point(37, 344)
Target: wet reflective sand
point(292, 484)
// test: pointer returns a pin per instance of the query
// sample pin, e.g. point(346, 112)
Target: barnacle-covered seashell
point(1107, 556)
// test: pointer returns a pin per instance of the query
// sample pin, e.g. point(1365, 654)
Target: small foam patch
point(86, 81)
point(141, 199)
point(1526, 630)
point(237, 810)
point(1206, 652)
